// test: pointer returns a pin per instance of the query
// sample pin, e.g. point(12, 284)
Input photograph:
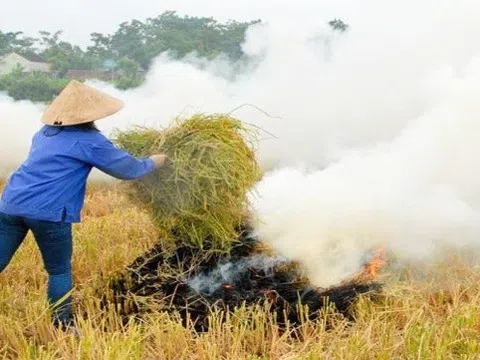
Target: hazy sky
point(78, 18)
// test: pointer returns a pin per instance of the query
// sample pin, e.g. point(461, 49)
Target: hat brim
point(79, 104)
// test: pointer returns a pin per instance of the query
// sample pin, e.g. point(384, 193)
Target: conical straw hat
point(79, 104)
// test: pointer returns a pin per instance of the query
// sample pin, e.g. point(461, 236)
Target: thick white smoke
point(409, 195)
point(375, 128)
point(18, 123)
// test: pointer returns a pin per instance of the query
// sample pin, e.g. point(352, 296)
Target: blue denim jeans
point(54, 240)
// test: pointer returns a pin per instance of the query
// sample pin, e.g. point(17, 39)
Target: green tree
point(15, 41)
point(130, 74)
point(36, 86)
point(102, 46)
point(129, 67)
point(8, 80)
point(64, 56)
point(338, 25)
point(203, 35)
point(129, 41)
point(142, 41)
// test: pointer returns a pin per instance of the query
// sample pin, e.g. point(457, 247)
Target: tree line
point(129, 50)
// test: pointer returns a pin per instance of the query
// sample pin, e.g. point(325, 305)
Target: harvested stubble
point(201, 196)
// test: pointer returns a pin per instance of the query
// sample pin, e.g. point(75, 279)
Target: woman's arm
point(116, 162)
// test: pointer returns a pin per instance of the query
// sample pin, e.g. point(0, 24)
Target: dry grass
point(432, 314)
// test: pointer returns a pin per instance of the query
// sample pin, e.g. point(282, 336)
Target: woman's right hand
point(159, 160)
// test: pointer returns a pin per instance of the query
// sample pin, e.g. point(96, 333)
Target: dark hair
point(53, 131)
point(87, 126)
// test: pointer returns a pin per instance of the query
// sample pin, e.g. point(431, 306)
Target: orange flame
point(372, 267)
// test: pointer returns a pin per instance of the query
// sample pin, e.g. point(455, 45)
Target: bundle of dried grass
point(201, 197)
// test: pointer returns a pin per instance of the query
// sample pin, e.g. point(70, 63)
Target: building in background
point(28, 63)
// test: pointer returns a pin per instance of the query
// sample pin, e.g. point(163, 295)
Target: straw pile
point(200, 197)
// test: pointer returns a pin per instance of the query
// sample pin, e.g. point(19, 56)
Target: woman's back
point(50, 184)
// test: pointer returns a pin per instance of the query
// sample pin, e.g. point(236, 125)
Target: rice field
point(427, 313)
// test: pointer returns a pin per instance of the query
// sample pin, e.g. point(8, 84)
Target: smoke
point(375, 129)
point(231, 272)
point(410, 195)
point(18, 123)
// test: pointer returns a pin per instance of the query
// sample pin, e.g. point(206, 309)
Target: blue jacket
point(50, 184)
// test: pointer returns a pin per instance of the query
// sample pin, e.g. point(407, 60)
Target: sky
point(79, 18)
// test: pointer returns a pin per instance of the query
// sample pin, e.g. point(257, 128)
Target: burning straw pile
point(215, 264)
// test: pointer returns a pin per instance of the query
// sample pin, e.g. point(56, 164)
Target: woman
point(46, 194)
